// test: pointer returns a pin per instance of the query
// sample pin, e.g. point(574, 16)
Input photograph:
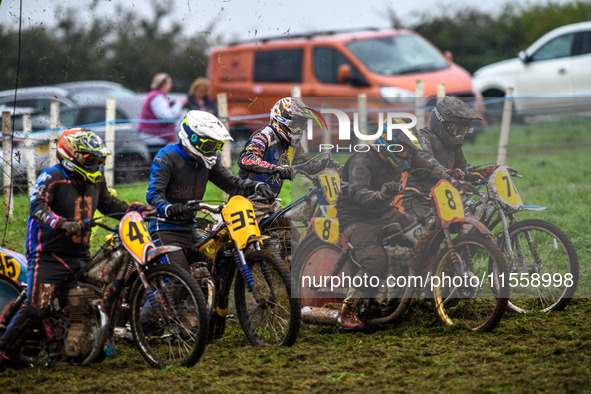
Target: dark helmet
point(398, 150)
point(451, 119)
point(81, 152)
point(289, 118)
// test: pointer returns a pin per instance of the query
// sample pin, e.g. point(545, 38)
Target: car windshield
point(396, 55)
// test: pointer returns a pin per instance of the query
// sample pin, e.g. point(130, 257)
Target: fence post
point(29, 154)
point(54, 120)
point(7, 151)
point(419, 104)
point(505, 126)
point(296, 92)
point(110, 141)
point(440, 92)
point(222, 100)
point(362, 111)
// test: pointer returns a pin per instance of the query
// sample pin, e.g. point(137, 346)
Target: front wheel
point(169, 319)
point(469, 283)
point(266, 310)
point(545, 267)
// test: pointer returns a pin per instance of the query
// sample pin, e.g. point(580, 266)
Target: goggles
point(295, 126)
point(90, 160)
point(458, 130)
point(202, 144)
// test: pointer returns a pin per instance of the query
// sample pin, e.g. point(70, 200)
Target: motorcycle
point(79, 328)
point(229, 251)
point(543, 262)
point(462, 276)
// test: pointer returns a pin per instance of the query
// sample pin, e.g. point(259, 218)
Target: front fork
point(245, 271)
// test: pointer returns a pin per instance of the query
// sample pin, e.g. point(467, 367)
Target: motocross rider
point(273, 149)
point(57, 242)
point(180, 173)
point(370, 182)
point(449, 122)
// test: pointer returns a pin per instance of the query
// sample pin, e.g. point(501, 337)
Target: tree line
point(130, 49)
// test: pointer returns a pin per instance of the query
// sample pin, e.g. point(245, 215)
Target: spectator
point(199, 97)
point(158, 107)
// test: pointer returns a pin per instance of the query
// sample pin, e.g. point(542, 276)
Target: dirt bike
point(460, 275)
point(79, 328)
point(286, 226)
point(230, 251)
point(543, 262)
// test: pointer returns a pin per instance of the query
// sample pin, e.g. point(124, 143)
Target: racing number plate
point(502, 185)
point(240, 216)
point(135, 236)
point(331, 186)
point(448, 202)
point(327, 229)
point(13, 265)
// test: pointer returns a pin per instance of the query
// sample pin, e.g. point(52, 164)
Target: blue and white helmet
point(202, 135)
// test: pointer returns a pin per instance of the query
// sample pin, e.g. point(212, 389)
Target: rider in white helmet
point(180, 172)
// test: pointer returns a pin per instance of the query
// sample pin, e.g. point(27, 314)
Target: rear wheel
point(171, 328)
point(470, 283)
point(546, 267)
point(267, 312)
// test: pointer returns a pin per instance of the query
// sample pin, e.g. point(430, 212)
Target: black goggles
point(457, 129)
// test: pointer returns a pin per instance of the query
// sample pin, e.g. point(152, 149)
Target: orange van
point(383, 64)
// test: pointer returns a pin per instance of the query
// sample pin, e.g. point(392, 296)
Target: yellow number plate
point(502, 186)
point(12, 266)
point(135, 236)
point(239, 214)
point(42, 148)
point(331, 186)
point(447, 200)
point(327, 229)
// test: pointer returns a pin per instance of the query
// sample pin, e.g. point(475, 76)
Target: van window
point(326, 66)
point(278, 66)
point(400, 54)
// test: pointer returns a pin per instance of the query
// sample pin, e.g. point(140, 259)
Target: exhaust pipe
point(315, 315)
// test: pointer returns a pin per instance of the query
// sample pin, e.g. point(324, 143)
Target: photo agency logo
point(351, 138)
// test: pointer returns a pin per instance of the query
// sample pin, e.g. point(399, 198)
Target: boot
point(348, 320)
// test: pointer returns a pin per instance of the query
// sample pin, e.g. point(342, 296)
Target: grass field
point(525, 353)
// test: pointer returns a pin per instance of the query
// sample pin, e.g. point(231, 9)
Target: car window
point(326, 66)
point(556, 48)
point(278, 66)
point(585, 46)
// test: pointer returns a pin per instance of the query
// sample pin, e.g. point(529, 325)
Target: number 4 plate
point(135, 236)
point(448, 202)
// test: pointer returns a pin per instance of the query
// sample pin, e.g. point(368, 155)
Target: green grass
point(525, 353)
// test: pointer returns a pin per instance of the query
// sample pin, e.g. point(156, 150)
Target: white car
point(546, 76)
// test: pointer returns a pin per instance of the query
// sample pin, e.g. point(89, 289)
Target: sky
point(244, 19)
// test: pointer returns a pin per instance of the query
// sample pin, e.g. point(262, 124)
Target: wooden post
point(222, 101)
point(419, 104)
point(110, 141)
point(505, 126)
point(440, 92)
point(296, 92)
point(362, 105)
point(54, 120)
point(7, 152)
point(29, 154)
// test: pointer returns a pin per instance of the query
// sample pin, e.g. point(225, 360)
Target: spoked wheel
point(469, 285)
point(546, 267)
point(267, 312)
point(170, 328)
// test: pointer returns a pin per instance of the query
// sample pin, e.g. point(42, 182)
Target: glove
point(71, 227)
point(391, 190)
point(140, 208)
point(177, 209)
point(465, 187)
point(265, 191)
point(284, 172)
point(456, 173)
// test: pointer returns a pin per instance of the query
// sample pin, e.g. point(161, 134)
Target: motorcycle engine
point(83, 321)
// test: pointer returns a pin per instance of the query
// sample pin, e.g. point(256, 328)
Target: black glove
point(285, 172)
point(265, 191)
point(177, 209)
point(464, 187)
point(71, 227)
point(391, 190)
point(140, 208)
point(456, 173)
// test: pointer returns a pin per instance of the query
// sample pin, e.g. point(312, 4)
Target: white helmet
point(203, 135)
